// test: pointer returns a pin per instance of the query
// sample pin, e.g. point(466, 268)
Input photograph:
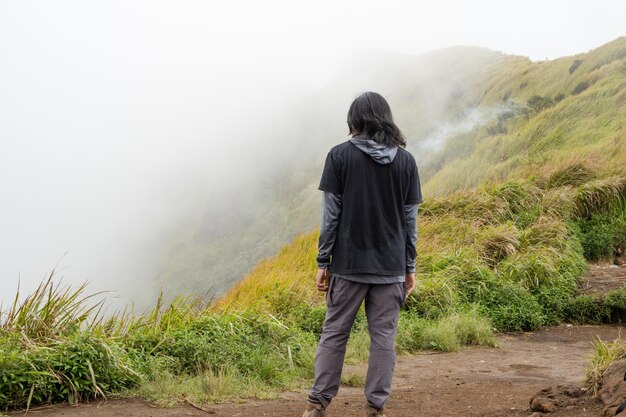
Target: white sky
point(104, 104)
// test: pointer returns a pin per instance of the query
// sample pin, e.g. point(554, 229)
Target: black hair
point(370, 115)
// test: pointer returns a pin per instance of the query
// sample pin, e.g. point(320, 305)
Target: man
point(366, 248)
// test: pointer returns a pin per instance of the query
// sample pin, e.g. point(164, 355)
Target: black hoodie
point(370, 206)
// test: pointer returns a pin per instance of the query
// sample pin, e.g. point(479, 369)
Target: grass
point(521, 208)
point(353, 379)
point(167, 389)
point(605, 353)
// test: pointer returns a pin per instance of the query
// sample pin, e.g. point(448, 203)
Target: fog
point(130, 128)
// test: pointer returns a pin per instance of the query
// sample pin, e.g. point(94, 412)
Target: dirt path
point(487, 382)
point(603, 278)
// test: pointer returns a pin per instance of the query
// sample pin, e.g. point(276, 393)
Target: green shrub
point(616, 302)
point(76, 368)
point(554, 301)
point(599, 235)
point(452, 332)
point(433, 296)
point(538, 103)
point(309, 318)
point(588, 309)
point(410, 330)
point(511, 307)
point(580, 87)
point(574, 66)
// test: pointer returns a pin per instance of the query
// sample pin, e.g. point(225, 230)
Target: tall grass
point(605, 353)
point(50, 307)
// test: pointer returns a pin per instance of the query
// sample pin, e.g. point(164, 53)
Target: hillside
point(470, 116)
point(278, 198)
point(558, 112)
point(561, 119)
point(525, 183)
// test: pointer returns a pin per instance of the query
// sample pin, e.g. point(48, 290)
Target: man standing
point(366, 248)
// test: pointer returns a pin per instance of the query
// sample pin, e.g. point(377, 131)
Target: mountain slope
point(470, 115)
point(560, 111)
point(563, 161)
point(277, 197)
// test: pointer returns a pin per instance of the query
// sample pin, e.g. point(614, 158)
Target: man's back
point(374, 191)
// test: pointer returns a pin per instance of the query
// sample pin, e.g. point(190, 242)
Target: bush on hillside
point(602, 195)
point(496, 129)
point(574, 175)
point(539, 103)
point(599, 235)
point(520, 312)
point(580, 87)
point(588, 309)
point(575, 66)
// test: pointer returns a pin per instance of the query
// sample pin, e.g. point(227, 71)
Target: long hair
point(370, 114)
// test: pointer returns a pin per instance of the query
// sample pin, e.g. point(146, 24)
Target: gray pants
point(382, 305)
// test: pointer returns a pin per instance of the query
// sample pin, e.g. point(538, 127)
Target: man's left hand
point(321, 279)
point(409, 282)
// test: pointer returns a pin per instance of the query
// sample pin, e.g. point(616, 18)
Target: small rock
point(542, 405)
point(537, 414)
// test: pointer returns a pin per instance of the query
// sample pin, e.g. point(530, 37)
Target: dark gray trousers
point(382, 305)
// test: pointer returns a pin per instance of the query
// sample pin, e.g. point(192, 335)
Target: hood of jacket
point(382, 154)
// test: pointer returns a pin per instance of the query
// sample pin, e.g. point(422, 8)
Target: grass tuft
point(605, 353)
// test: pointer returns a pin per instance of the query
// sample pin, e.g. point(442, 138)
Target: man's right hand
point(409, 283)
point(321, 279)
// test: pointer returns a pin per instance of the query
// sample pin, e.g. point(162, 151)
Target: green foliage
point(450, 333)
point(575, 174)
point(74, 368)
point(588, 308)
point(604, 355)
point(538, 103)
point(600, 234)
point(555, 302)
point(580, 87)
point(309, 318)
point(598, 308)
point(511, 307)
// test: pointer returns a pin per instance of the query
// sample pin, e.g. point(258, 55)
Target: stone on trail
point(551, 399)
point(613, 391)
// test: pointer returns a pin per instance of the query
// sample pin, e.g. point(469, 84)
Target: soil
point(603, 278)
point(477, 382)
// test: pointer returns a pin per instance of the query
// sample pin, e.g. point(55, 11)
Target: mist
point(148, 146)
